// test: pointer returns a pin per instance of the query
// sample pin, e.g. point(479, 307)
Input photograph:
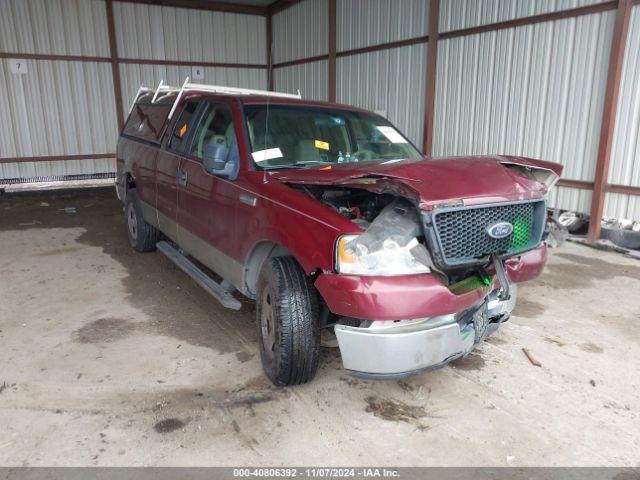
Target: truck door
point(207, 203)
point(168, 168)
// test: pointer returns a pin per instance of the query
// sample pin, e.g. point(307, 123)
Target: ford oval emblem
point(500, 230)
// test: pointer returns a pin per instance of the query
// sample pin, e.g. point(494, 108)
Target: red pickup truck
point(331, 220)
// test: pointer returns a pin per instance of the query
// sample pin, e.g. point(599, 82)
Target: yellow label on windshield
point(322, 145)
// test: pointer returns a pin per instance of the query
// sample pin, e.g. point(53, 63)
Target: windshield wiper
point(283, 167)
point(298, 165)
point(311, 162)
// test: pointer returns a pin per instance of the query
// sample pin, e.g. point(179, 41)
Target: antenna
point(266, 131)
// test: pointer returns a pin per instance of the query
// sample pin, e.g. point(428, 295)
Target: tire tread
point(148, 235)
point(297, 312)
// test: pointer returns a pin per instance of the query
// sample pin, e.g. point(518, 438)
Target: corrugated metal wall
point(625, 153)
point(64, 27)
point(301, 31)
point(168, 33)
point(57, 107)
point(187, 35)
point(458, 14)
point(362, 23)
point(535, 90)
point(62, 107)
point(309, 78)
point(389, 81)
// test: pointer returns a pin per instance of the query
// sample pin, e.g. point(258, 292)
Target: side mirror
point(215, 157)
point(218, 160)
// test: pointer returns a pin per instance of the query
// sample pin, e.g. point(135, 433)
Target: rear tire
point(142, 236)
point(288, 322)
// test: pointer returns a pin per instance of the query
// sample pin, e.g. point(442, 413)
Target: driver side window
point(215, 128)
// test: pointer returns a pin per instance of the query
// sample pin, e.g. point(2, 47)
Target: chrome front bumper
point(396, 349)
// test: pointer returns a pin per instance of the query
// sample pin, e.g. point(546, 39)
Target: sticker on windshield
point(320, 145)
point(392, 134)
point(268, 154)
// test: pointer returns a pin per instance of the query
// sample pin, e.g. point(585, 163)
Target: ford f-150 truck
point(330, 219)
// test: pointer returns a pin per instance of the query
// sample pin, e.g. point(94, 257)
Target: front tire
point(288, 322)
point(142, 236)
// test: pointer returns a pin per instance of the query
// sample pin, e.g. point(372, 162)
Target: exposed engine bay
point(388, 222)
point(395, 235)
point(358, 205)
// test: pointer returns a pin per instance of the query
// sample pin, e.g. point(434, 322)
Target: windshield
point(302, 137)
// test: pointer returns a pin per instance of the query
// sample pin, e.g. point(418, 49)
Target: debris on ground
point(169, 425)
point(44, 204)
point(592, 382)
point(624, 235)
point(606, 245)
point(633, 254)
point(574, 222)
point(68, 210)
point(556, 237)
point(557, 233)
point(512, 460)
point(531, 358)
point(395, 411)
point(621, 223)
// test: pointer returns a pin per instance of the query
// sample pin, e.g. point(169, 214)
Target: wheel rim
point(267, 325)
point(132, 222)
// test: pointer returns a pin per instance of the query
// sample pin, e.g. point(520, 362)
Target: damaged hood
point(434, 181)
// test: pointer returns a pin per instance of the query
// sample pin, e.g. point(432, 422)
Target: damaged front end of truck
point(434, 270)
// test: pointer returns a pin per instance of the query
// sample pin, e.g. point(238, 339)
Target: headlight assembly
point(390, 258)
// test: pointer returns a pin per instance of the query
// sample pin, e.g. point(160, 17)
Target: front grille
point(461, 234)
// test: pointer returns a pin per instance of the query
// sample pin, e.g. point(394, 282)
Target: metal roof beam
point(206, 5)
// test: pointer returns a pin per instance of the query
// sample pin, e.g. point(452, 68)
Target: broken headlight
point(388, 258)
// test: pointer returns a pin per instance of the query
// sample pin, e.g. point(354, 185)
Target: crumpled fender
point(414, 296)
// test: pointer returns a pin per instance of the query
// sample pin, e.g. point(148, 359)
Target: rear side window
point(182, 128)
point(146, 121)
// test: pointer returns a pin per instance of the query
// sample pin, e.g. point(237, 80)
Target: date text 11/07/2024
point(317, 472)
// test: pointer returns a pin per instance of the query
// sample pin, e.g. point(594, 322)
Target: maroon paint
point(477, 180)
point(413, 296)
point(211, 209)
point(528, 266)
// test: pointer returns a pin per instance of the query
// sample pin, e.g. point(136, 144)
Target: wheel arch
point(260, 253)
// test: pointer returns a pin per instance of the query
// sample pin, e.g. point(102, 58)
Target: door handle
point(248, 199)
point(182, 177)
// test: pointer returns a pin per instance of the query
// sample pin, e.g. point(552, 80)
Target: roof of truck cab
point(273, 100)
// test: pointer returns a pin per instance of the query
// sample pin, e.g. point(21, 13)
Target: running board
point(201, 278)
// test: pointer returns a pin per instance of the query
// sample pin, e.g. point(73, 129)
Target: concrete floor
point(110, 357)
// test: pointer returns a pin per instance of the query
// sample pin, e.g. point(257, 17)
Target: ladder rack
point(163, 91)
